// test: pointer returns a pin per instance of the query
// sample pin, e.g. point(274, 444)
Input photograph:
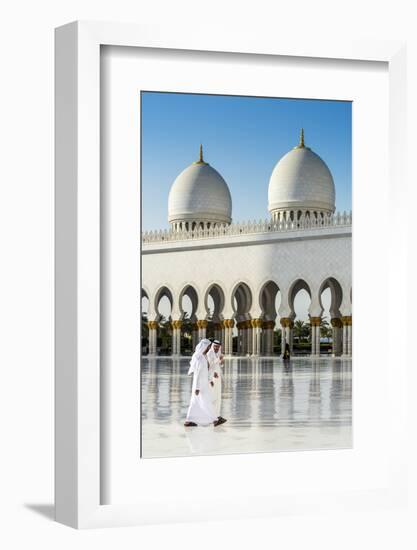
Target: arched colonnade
point(253, 313)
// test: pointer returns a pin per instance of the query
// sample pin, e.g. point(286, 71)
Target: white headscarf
point(200, 347)
point(214, 357)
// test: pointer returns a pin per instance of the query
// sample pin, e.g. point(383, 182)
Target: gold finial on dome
point(301, 145)
point(200, 160)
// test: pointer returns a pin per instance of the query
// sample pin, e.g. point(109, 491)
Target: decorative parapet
point(340, 219)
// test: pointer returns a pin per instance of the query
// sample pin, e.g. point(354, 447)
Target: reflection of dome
point(300, 184)
point(199, 197)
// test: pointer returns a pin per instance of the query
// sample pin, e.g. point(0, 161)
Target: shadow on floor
point(45, 510)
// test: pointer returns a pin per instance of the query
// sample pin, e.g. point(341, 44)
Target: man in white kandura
point(201, 411)
point(216, 360)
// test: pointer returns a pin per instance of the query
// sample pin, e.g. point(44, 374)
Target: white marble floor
point(269, 407)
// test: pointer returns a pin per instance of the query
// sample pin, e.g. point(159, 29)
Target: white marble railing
point(340, 219)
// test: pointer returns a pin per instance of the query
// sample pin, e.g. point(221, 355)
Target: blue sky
point(243, 139)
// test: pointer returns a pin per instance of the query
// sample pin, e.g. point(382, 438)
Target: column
point(244, 338)
point(194, 335)
point(218, 331)
point(231, 325)
point(348, 321)
point(337, 325)
point(290, 334)
point(225, 339)
point(253, 332)
point(153, 333)
point(271, 338)
point(350, 339)
point(176, 337)
point(313, 338)
point(239, 338)
point(283, 322)
point(202, 328)
point(259, 324)
point(249, 337)
point(268, 340)
point(345, 340)
point(345, 321)
point(173, 339)
point(228, 325)
point(264, 338)
point(315, 335)
point(256, 336)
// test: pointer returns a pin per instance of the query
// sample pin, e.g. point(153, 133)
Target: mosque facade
point(304, 244)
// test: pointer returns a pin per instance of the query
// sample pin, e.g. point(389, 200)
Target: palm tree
point(307, 325)
point(325, 329)
point(145, 329)
point(299, 330)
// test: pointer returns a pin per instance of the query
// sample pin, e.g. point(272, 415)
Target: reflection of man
point(216, 360)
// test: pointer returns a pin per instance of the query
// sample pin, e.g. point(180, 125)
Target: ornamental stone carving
point(315, 321)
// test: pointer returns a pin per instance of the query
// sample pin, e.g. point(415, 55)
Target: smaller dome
point(199, 195)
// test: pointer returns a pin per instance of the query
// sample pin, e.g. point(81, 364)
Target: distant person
point(286, 356)
point(201, 411)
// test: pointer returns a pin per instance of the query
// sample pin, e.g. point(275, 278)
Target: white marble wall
point(312, 256)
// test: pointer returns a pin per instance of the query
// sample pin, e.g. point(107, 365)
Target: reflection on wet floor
point(270, 406)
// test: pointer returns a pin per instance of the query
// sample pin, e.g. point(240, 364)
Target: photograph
point(246, 274)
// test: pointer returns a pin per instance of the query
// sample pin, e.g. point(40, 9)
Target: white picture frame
point(78, 265)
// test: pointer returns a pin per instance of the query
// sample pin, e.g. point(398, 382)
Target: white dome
point(199, 194)
point(301, 180)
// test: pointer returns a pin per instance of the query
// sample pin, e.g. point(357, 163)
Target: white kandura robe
point(216, 389)
point(201, 410)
